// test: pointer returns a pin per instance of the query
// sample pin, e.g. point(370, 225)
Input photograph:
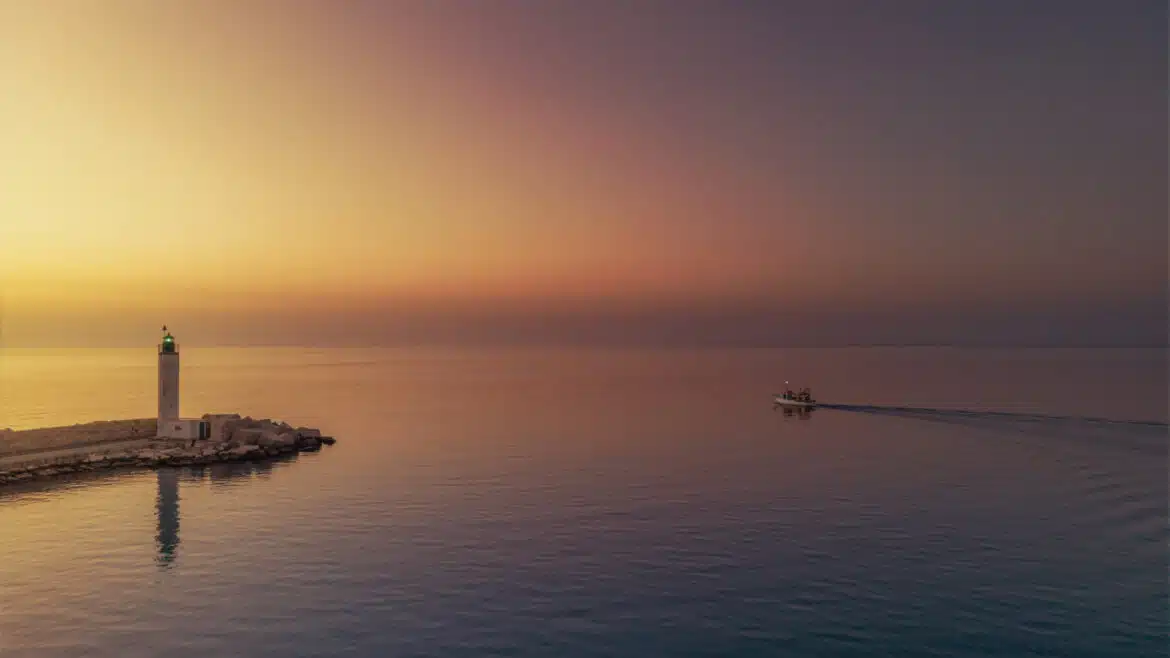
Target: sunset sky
point(817, 172)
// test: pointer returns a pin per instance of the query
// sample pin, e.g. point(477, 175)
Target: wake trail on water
point(1145, 436)
point(997, 415)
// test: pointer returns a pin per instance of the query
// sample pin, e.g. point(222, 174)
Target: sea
point(605, 502)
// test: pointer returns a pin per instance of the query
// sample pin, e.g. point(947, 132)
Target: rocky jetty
point(15, 442)
point(81, 448)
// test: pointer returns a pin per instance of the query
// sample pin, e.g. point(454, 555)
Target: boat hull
point(793, 404)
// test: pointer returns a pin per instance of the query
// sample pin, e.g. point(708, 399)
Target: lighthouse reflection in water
point(215, 476)
point(168, 515)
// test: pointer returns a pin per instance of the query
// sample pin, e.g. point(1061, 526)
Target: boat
point(802, 399)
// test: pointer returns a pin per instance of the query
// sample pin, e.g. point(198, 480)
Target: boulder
point(231, 424)
point(247, 437)
point(267, 425)
point(271, 439)
point(244, 452)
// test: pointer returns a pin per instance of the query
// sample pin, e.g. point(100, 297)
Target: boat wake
point(998, 415)
point(1135, 434)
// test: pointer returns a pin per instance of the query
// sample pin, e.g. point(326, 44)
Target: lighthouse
point(170, 425)
point(168, 379)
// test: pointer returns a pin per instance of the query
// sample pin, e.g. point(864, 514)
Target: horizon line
point(630, 346)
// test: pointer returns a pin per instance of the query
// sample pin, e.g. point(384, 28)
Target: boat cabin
point(804, 395)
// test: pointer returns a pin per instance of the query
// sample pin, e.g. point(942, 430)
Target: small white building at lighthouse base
point(184, 428)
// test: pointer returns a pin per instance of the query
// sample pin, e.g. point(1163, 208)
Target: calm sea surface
point(606, 503)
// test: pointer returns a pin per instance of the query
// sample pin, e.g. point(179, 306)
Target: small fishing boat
point(801, 399)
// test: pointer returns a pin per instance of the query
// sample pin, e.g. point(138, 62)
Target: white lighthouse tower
point(168, 380)
point(170, 425)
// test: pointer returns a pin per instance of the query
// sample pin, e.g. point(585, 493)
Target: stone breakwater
point(47, 452)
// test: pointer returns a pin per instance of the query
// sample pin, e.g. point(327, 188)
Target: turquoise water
point(606, 503)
